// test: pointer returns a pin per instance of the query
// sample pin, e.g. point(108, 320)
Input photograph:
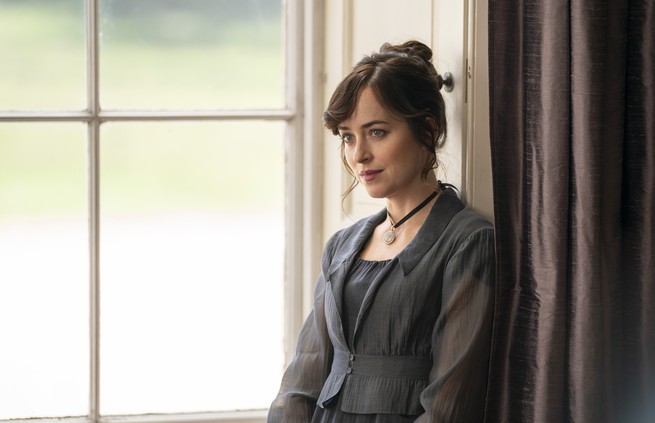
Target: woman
point(401, 325)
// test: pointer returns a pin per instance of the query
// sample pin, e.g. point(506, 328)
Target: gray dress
point(418, 348)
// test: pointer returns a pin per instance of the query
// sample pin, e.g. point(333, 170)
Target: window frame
point(303, 28)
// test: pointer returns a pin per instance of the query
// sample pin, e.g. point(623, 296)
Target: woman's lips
point(369, 175)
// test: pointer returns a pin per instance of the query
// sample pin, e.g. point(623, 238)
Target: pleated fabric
point(572, 103)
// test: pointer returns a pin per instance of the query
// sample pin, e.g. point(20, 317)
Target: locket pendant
point(389, 237)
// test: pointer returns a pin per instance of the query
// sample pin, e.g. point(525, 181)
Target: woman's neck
point(399, 206)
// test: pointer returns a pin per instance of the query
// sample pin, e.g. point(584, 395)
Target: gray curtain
point(572, 98)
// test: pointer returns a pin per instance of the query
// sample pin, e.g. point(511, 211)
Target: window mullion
point(93, 61)
point(294, 183)
point(93, 106)
point(94, 279)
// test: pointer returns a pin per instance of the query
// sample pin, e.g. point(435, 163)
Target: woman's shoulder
point(469, 227)
point(469, 220)
point(463, 221)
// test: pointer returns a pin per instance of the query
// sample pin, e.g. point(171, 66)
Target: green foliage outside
point(155, 54)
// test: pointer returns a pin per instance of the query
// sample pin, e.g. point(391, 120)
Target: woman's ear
point(432, 135)
point(433, 124)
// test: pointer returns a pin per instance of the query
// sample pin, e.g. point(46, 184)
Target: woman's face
point(381, 150)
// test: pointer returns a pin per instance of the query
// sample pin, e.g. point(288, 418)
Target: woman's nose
point(361, 153)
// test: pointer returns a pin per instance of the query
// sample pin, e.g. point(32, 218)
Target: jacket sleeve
point(461, 339)
point(304, 377)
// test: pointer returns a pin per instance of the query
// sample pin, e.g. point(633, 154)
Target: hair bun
point(417, 52)
point(411, 48)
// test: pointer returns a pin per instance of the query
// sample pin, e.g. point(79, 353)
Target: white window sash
point(303, 38)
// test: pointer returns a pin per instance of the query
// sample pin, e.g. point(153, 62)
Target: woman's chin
point(374, 193)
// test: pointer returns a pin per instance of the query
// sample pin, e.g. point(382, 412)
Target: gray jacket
point(422, 336)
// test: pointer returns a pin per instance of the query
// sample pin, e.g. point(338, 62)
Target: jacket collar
point(446, 206)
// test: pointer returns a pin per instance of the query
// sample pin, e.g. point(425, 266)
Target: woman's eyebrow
point(365, 125)
point(374, 122)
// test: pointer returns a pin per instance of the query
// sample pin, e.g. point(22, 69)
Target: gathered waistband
point(402, 367)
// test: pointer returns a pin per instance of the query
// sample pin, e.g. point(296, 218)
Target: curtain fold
point(572, 103)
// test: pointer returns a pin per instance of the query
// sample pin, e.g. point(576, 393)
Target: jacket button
point(352, 357)
point(349, 370)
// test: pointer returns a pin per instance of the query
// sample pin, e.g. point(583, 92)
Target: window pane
point(43, 51)
point(192, 248)
point(191, 54)
point(44, 358)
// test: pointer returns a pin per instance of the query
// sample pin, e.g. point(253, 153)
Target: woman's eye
point(347, 138)
point(377, 133)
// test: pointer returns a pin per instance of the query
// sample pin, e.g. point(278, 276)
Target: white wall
point(479, 180)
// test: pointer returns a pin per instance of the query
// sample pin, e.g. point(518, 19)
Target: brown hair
point(405, 81)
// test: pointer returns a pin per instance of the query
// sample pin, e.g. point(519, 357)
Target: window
point(148, 150)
